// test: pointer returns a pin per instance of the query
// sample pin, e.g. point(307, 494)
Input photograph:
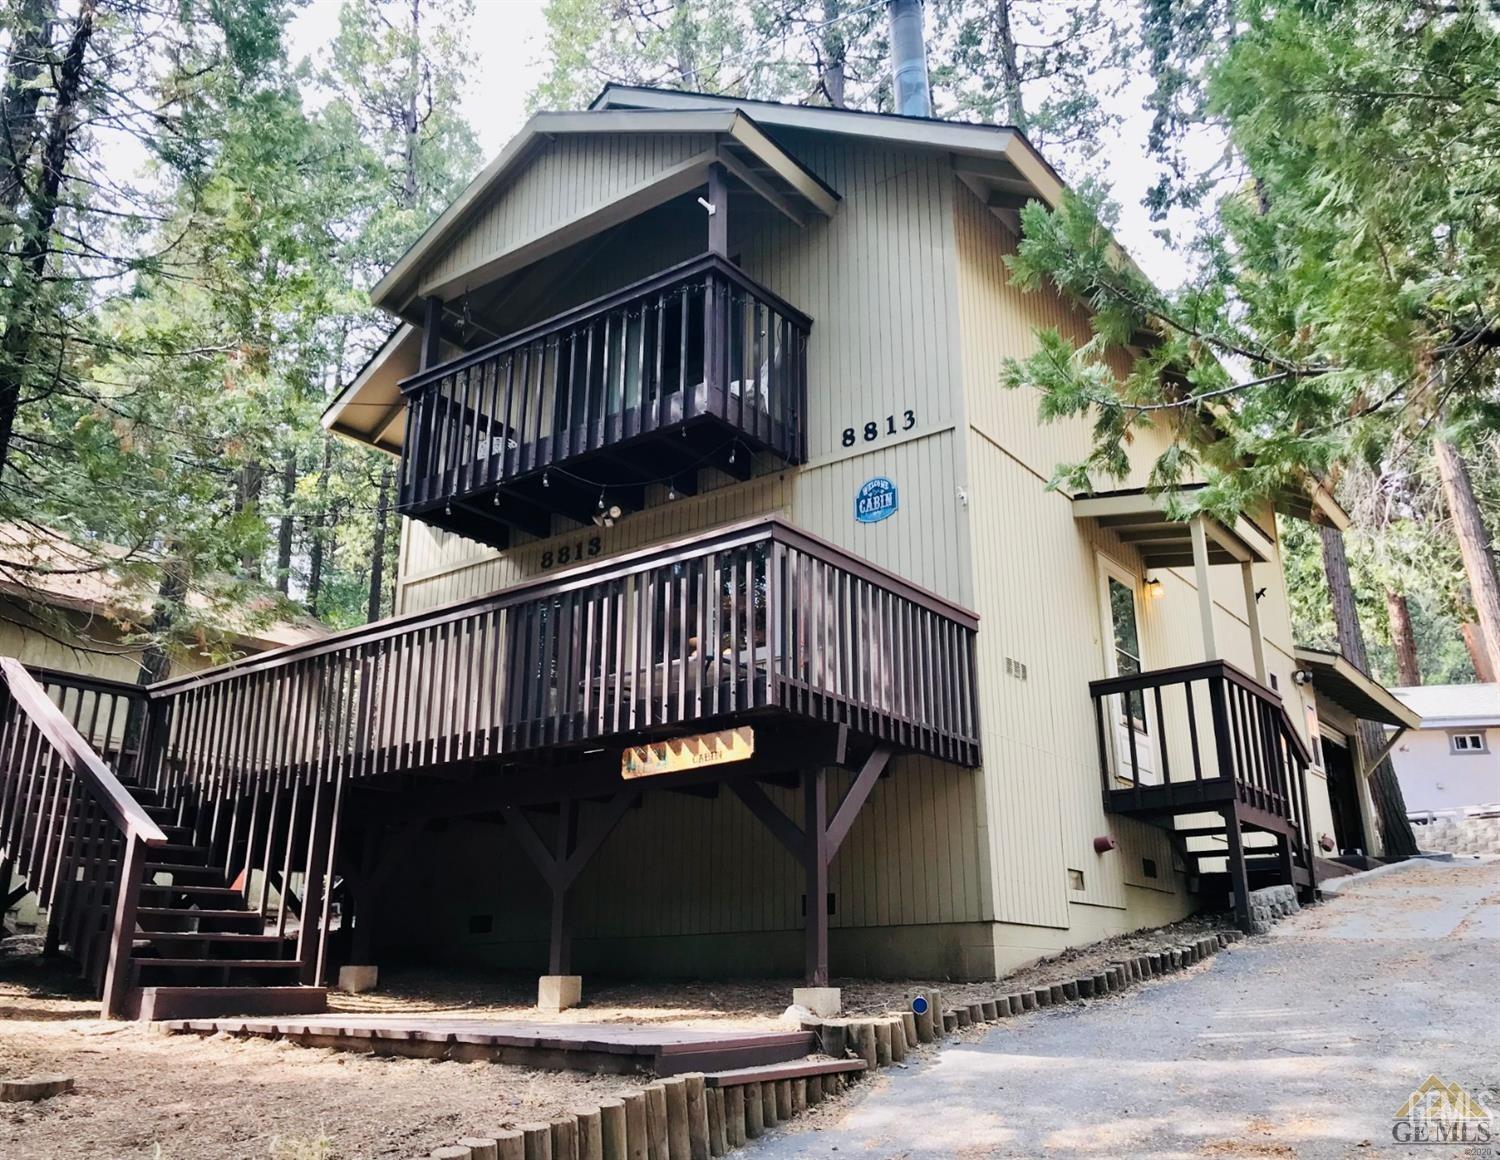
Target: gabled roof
point(370, 409)
point(1454, 706)
point(997, 161)
point(750, 153)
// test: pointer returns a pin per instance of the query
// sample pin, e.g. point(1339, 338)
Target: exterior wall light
point(1154, 589)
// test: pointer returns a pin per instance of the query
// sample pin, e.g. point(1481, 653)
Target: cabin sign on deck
point(688, 752)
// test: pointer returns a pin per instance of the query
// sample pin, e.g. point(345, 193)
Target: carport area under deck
point(750, 656)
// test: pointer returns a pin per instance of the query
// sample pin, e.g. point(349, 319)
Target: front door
point(1343, 797)
point(1135, 758)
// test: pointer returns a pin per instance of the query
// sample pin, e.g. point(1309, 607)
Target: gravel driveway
point(1305, 1042)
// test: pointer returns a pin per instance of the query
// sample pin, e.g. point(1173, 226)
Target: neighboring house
point(1451, 761)
point(1343, 696)
point(739, 630)
point(60, 610)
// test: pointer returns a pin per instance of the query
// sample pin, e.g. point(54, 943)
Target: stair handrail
point(106, 788)
point(95, 913)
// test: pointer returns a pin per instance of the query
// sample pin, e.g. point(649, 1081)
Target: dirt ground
point(142, 1093)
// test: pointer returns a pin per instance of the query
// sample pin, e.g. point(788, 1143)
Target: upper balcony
point(697, 366)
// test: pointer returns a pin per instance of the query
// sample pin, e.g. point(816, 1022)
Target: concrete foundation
point(355, 979)
point(824, 1002)
point(559, 992)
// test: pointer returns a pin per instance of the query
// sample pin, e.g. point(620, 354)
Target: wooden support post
point(679, 1144)
point(734, 1117)
point(1199, 532)
point(1252, 619)
point(637, 1125)
point(755, 1110)
point(718, 218)
point(614, 1131)
point(816, 843)
point(1239, 876)
point(537, 1139)
point(310, 930)
point(127, 898)
point(697, 1115)
point(430, 353)
point(590, 1133)
point(815, 859)
point(658, 1131)
point(718, 1140)
point(560, 942)
point(560, 865)
point(565, 1138)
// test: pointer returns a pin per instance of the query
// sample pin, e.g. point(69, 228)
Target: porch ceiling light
point(1154, 588)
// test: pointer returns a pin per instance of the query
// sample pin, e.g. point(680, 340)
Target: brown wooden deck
point(603, 1047)
point(242, 778)
point(694, 367)
point(1208, 739)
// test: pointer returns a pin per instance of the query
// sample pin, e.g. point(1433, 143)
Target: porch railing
point(695, 345)
point(1203, 733)
point(754, 618)
point(68, 826)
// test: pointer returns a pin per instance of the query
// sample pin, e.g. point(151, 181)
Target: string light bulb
point(546, 479)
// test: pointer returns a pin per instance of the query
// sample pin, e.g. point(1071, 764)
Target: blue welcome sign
point(876, 500)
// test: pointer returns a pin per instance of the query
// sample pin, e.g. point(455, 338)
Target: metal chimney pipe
point(909, 58)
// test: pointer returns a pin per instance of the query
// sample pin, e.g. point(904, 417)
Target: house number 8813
point(875, 429)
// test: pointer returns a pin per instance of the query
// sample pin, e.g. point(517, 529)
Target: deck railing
point(751, 619)
point(1199, 733)
point(695, 345)
point(68, 826)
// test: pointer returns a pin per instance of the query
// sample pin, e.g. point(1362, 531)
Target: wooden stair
point(199, 947)
point(1270, 845)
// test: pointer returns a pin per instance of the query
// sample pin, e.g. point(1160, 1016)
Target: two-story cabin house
point(738, 630)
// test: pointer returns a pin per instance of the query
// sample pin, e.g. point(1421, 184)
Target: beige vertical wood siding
point(879, 281)
point(571, 177)
point(912, 309)
point(1037, 594)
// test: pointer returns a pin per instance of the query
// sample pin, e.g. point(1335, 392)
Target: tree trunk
point(247, 499)
point(32, 40)
point(318, 526)
point(1473, 544)
point(287, 527)
point(377, 549)
point(1478, 653)
point(1385, 790)
point(156, 662)
point(1010, 73)
point(412, 125)
point(42, 215)
point(1408, 669)
point(833, 52)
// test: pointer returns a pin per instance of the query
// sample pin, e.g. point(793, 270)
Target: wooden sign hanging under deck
point(681, 753)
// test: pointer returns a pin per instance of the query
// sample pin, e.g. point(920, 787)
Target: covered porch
point(1205, 750)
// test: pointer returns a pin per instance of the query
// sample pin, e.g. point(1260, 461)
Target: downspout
point(909, 59)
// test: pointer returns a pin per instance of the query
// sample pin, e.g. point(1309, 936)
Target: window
point(1467, 743)
point(1127, 644)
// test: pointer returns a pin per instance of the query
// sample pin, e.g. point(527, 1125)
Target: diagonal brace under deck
point(816, 842)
